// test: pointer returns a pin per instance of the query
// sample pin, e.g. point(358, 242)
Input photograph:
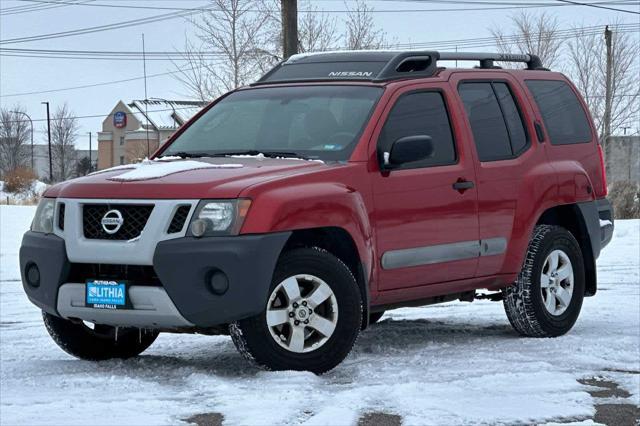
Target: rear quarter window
point(564, 118)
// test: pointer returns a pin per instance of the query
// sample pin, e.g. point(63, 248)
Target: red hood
point(190, 184)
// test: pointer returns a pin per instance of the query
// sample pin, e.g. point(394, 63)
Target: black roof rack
point(380, 65)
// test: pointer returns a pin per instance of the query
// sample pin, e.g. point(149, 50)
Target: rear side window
point(562, 113)
point(512, 117)
point(421, 113)
point(495, 121)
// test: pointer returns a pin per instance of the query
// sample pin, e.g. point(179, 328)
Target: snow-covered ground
point(457, 363)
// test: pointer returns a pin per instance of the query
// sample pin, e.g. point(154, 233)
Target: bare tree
point(317, 31)
point(15, 132)
point(236, 30)
point(587, 67)
point(361, 32)
point(535, 34)
point(64, 132)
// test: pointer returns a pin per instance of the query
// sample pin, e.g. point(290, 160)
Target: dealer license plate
point(106, 294)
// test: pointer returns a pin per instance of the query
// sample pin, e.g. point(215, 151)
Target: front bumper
point(184, 267)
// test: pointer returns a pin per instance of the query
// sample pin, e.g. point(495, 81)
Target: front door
point(425, 211)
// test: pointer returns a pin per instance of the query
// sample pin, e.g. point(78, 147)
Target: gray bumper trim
point(152, 308)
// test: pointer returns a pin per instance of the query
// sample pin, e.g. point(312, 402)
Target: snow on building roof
point(163, 114)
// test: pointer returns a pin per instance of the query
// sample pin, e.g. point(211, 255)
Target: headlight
point(219, 217)
point(43, 221)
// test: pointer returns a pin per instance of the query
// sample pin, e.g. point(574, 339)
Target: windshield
point(317, 122)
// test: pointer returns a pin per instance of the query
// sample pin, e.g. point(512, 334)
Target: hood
point(182, 179)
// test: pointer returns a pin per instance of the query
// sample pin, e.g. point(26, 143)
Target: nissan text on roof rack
point(292, 213)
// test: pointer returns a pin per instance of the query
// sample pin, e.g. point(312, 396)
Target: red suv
point(294, 212)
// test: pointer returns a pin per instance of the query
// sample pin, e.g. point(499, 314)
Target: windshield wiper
point(254, 152)
point(184, 154)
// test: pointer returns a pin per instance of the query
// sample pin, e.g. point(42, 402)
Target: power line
point(576, 3)
point(185, 12)
point(461, 2)
point(109, 115)
point(106, 83)
point(180, 55)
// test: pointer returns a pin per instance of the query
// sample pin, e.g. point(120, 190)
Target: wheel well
point(338, 242)
point(569, 217)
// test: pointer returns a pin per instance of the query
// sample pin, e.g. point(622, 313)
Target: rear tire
point(98, 343)
point(311, 320)
point(546, 299)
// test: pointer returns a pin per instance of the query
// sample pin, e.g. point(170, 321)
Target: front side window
point(563, 116)
point(496, 122)
point(420, 113)
point(322, 122)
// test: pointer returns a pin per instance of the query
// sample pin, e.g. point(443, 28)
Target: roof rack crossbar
point(487, 59)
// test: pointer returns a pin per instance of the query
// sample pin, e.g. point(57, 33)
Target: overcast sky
point(401, 20)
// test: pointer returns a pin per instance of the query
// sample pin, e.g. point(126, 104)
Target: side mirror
point(408, 149)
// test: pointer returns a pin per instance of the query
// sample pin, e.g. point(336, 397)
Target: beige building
point(133, 131)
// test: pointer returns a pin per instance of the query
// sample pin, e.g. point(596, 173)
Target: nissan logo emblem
point(112, 221)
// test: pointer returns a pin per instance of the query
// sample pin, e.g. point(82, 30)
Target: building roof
point(163, 114)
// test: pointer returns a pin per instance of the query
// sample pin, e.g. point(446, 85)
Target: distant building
point(623, 159)
point(133, 131)
point(41, 159)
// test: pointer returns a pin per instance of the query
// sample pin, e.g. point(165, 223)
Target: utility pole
point(289, 27)
point(31, 121)
point(608, 94)
point(49, 138)
point(90, 152)
point(146, 100)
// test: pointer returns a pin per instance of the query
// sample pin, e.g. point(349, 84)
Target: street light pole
point(49, 139)
point(31, 121)
point(90, 164)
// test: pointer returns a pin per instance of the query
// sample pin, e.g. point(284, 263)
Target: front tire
point(546, 299)
point(99, 342)
point(311, 319)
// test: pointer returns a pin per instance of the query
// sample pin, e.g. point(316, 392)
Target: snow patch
point(153, 169)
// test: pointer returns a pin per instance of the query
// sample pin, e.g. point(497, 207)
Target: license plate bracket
point(107, 294)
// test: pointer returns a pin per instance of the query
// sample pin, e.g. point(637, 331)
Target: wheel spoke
point(323, 325)
point(296, 343)
point(291, 288)
point(553, 262)
point(564, 272)
point(319, 295)
point(563, 296)
point(550, 303)
point(544, 281)
point(277, 317)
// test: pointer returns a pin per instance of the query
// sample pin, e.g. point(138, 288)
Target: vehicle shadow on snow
point(220, 358)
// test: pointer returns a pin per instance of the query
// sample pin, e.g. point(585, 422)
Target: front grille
point(179, 218)
point(134, 217)
point(134, 274)
point(61, 216)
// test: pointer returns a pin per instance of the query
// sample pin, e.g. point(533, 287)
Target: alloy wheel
point(302, 313)
point(556, 282)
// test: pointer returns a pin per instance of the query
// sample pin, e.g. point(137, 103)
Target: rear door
point(426, 230)
point(501, 124)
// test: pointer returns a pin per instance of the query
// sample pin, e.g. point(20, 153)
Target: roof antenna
point(146, 101)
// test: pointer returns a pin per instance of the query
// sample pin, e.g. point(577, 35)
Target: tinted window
point(485, 116)
point(512, 117)
point(421, 113)
point(563, 116)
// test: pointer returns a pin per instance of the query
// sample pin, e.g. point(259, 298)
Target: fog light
point(199, 227)
point(33, 275)
point(218, 282)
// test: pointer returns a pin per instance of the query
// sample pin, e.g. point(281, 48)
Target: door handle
point(462, 185)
